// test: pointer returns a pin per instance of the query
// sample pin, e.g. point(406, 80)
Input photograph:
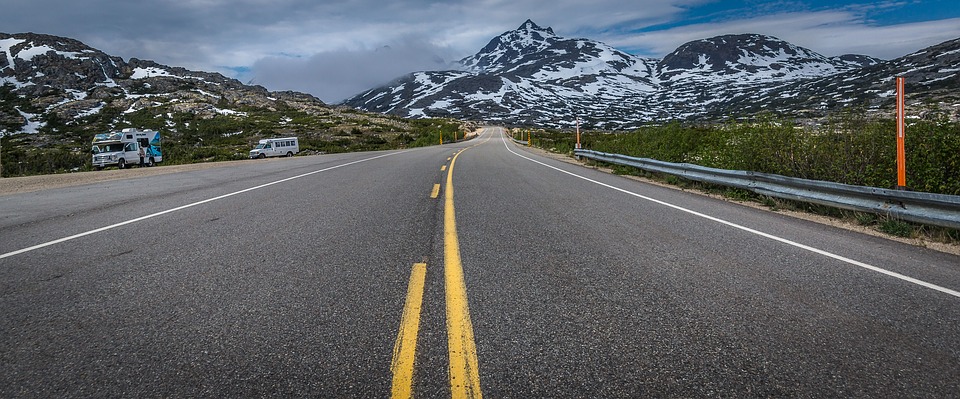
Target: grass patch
point(896, 227)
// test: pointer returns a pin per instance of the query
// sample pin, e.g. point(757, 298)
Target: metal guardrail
point(926, 208)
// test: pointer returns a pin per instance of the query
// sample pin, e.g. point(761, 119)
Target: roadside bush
point(849, 148)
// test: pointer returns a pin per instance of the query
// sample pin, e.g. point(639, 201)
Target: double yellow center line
point(464, 367)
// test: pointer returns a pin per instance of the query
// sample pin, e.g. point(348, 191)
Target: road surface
point(468, 269)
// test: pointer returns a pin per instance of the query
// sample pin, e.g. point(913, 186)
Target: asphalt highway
point(470, 269)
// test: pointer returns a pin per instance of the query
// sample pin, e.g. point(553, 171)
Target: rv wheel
point(261, 156)
point(150, 161)
point(121, 163)
point(289, 154)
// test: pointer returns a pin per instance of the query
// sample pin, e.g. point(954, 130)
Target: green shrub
point(848, 148)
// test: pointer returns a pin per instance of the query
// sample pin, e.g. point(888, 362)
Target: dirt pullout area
point(17, 185)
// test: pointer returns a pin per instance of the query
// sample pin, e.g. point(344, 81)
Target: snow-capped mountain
point(932, 76)
point(65, 78)
point(532, 76)
point(745, 59)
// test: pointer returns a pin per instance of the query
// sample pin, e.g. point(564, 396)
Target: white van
point(282, 147)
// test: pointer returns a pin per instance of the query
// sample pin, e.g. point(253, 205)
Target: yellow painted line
point(443, 168)
point(405, 350)
point(436, 191)
point(464, 366)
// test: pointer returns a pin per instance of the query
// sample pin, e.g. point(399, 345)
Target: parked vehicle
point(127, 147)
point(282, 147)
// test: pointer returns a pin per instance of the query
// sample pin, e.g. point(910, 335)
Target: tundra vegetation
point(848, 148)
point(63, 145)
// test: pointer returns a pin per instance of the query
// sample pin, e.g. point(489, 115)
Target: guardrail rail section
point(925, 208)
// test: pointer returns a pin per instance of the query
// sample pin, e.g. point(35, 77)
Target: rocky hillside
point(56, 93)
point(68, 79)
point(531, 76)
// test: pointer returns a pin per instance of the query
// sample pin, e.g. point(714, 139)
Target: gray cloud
point(336, 75)
point(332, 49)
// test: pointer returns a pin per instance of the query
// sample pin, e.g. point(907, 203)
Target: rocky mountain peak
point(534, 77)
point(64, 77)
point(532, 28)
point(43, 63)
point(505, 50)
point(746, 57)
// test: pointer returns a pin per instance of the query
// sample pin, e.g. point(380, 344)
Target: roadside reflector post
point(529, 138)
point(578, 133)
point(901, 146)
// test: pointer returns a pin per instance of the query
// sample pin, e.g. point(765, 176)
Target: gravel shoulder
point(26, 184)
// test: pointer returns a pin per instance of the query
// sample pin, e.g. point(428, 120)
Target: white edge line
point(749, 230)
point(153, 215)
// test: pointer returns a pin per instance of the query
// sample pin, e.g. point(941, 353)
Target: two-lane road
point(333, 276)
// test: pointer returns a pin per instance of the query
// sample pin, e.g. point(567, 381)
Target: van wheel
point(261, 156)
point(289, 154)
point(121, 164)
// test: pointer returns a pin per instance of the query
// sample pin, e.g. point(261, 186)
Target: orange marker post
point(901, 145)
point(578, 133)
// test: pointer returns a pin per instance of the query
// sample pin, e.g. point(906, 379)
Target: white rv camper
point(127, 147)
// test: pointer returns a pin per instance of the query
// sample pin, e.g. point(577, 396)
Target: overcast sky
point(335, 49)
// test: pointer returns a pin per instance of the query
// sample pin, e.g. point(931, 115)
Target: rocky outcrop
point(71, 80)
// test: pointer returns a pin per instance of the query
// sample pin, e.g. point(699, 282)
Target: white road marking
point(153, 215)
point(749, 230)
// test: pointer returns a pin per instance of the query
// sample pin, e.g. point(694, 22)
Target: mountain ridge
point(531, 76)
